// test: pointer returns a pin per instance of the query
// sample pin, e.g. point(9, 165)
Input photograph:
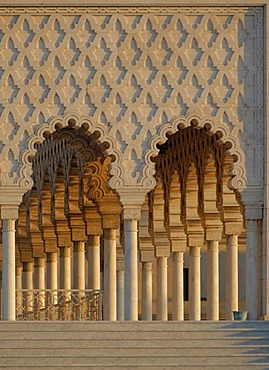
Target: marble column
point(19, 300)
point(231, 276)
point(27, 283)
point(52, 275)
point(131, 269)
point(94, 262)
point(120, 295)
point(39, 280)
point(252, 270)
point(65, 268)
point(39, 273)
point(162, 302)
point(147, 291)
point(8, 276)
point(195, 283)
point(79, 265)
point(178, 287)
point(110, 290)
point(19, 277)
point(212, 280)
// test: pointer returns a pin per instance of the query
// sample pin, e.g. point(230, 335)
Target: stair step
point(134, 345)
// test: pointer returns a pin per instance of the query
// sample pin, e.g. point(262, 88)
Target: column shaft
point(252, 270)
point(19, 300)
point(8, 283)
point(52, 275)
point(178, 287)
point(94, 262)
point(110, 292)
point(213, 280)
point(162, 288)
point(39, 280)
point(147, 291)
point(120, 295)
point(19, 277)
point(131, 270)
point(79, 266)
point(231, 276)
point(195, 284)
point(39, 273)
point(65, 268)
point(27, 283)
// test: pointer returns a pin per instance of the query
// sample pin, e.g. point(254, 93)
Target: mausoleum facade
point(133, 160)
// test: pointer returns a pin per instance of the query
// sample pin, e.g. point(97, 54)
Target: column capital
point(9, 212)
point(10, 199)
point(213, 235)
point(253, 212)
point(132, 213)
point(233, 228)
point(131, 199)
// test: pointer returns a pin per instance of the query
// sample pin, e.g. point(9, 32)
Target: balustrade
point(70, 305)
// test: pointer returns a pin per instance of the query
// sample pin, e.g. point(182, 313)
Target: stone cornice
point(130, 3)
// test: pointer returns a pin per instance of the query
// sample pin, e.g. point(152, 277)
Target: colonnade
point(79, 267)
point(70, 208)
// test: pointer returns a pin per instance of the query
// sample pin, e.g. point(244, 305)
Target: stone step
point(134, 345)
point(126, 361)
point(133, 352)
point(131, 343)
point(135, 326)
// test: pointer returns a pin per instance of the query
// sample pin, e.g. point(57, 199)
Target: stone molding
point(68, 6)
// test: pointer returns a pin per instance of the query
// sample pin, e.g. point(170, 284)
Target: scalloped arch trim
point(238, 180)
point(25, 180)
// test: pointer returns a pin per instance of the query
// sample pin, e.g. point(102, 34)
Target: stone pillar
point(110, 291)
point(162, 288)
point(252, 270)
point(8, 277)
point(178, 286)
point(213, 280)
point(27, 275)
point(131, 268)
point(19, 300)
point(194, 283)
point(120, 295)
point(79, 265)
point(27, 283)
point(147, 291)
point(10, 198)
point(52, 275)
point(94, 262)
point(19, 277)
point(231, 276)
point(39, 273)
point(39, 280)
point(65, 268)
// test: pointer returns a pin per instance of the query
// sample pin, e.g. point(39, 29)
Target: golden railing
point(54, 305)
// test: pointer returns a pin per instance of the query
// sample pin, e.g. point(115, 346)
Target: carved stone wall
point(131, 70)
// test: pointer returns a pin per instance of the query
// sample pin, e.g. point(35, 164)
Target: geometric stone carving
point(132, 70)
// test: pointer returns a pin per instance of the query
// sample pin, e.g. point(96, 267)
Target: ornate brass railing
point(67, 305)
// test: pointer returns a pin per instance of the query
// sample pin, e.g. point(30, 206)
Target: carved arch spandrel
point(75, 120)
point(237, 170)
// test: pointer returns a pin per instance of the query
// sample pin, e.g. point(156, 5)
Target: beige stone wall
point(132, 70)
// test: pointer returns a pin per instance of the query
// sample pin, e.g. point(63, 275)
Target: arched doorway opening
point(69, 218)
point(194, 214)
